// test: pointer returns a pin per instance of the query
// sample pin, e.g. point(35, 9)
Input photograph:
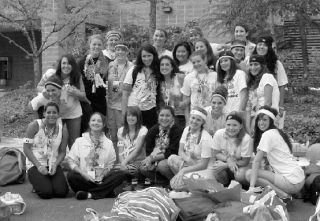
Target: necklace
point(166, 89)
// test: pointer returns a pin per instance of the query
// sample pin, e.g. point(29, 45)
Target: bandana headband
point(121, 45)
point(268, 113)
point(234, 117)
point(53, 84)
point(199, 113)
point(219, 95)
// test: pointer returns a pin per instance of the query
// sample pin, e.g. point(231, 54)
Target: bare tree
point(24, 16)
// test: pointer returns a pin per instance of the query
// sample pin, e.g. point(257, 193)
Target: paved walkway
point(70, 209)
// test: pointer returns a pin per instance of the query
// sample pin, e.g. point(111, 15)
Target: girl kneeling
point(286, 176)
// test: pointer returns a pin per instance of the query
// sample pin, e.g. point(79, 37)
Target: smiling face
point(159, 38)
point(112, 41)
point(147, 58)
point(165, 118)
point(96, 123)
point(165, 67)
point(233, 128)
point(131, 119)
point(95, 47)
point(255, 68)
point(240, 33)
point(262, 48)
point(196, 122)
point(194, 36)
point(217, 104)
point(66, 67)
point(121, 52)
point(53, 92)
point(225, 64)
point(199, 63)
point(239, 53)
point(182, 54)
point(201, 46)
point(263, 122)
point(51, 115)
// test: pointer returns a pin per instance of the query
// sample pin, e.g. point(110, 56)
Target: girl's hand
point(43, 170)
point(232, 165)
point(86, 176)
point(146, 162)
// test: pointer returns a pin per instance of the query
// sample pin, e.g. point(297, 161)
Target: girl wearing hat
point(203, 45)
point(160, 37)
point(241, 32)
point(286, 176)
point(170, 88)
point(112, 37)
point(194, 148)
point(141, 86)
point(181, 54)
point(235, 81)
point(263, 87)
point(264, 48)
point(116, 74)
point(216, 118)
point(94, 70)
point(232, 150)
point(162, 140)
point(199, 84)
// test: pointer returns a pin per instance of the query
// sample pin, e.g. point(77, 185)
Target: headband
point(199, 113)
point(113, 34)
point(267, 112)
point(121, 45)
point(219, 95)
point(234, 117)
point(53, 84)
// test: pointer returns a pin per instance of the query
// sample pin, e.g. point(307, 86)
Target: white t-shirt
point(186, 68)
point(222, 142)
point(282, 77)
point(143, 92)
point(257, 98)
point(129, 146)
point(235, 86)
point(200, 93)
point(197, 151)
point(279, 156)
point(212, 125)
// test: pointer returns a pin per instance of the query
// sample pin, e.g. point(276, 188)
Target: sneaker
point(82, 195)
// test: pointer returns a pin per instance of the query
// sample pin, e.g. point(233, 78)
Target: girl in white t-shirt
point(263, 88)
point(286, 176)
point(194, 148)
point(131, 143)
point(181, 54)
point(232, 150)
point(235, 81)
point(198, 85)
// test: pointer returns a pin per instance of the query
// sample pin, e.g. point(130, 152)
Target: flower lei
point(50, 134)
point(93, 156)
point(162, 140)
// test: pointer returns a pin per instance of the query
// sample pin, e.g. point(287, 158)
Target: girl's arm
point(137, 151)
point(125, 96)
point(243, 95)
point(220, 156)
point(268, 95)
point(63, 146)
point(186, 104)
point(243, 162)
point(255, 168)
point(32, 129)
point(203, 164)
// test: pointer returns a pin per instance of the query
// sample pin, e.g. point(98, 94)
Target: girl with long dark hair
point(141, 86)
point(286, 176)
point(204, 45)
point(181, 54)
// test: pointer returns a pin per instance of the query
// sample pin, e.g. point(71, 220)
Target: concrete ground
point(70, 209)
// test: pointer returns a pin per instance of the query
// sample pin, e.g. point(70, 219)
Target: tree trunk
point(152, 18)
point(304, 50)
point(36, 70)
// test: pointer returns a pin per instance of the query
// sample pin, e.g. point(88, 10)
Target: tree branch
point(16, 44)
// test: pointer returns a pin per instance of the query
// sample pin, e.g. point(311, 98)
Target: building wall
point(22, 66)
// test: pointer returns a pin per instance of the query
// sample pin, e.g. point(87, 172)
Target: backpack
point(315, 190)
point(12, 166)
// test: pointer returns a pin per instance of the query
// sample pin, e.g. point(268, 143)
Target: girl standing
point(241, 32)
point(203, 45)
point(113, 37)
point(141, 86)
point(170, 89)
point(181, 54)
point(235, 81)
point(160, 37)
point(286, 176)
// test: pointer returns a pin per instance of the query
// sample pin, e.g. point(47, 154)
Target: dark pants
point(98, 191)
point(149, 117)
point(47, 186)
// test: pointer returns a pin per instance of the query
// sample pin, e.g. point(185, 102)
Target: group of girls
point(169, 114)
